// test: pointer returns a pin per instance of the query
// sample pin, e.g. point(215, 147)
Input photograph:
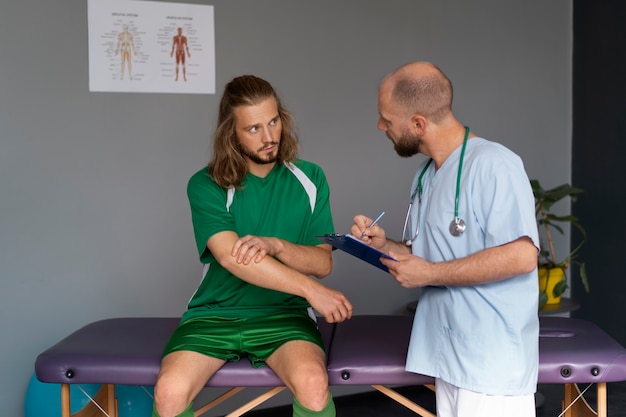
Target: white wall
point(94, 221)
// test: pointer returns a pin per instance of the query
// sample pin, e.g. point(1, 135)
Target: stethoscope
point(457, 225)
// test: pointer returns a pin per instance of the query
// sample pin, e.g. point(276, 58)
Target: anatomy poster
point(151, 47)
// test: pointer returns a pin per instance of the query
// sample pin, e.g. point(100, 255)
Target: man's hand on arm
point(309, 260)
point(276, 275)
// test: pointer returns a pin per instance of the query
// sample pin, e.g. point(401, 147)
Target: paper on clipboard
point(358, 248)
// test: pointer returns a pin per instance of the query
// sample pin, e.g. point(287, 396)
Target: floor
point(375, 404)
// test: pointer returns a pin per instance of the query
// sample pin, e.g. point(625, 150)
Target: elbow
point(325, 269)
point(526, 256)
point(326, 272)
point(529, 261)
point(530, 266)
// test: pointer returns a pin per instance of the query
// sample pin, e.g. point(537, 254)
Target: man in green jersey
point(256, 211)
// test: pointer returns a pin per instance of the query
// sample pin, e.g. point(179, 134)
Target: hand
point(254, 247)
point(331, 304)
point(409, 271)
point(374, 236)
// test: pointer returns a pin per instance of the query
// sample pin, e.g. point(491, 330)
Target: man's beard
point(256, 157)
point(407, 145)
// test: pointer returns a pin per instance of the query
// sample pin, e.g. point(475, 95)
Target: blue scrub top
point(482, 338)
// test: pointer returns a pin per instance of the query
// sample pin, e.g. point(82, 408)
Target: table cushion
point(128, 351)
point(371, 349)
point(575, 350)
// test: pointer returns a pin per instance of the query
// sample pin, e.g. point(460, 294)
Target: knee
point(170, 398)
point(310, 387)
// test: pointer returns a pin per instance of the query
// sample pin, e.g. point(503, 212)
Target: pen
point(374, 222)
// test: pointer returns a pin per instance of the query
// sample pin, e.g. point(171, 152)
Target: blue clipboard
point(358, 248)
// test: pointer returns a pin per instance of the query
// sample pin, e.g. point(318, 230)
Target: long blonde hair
point(228, 166)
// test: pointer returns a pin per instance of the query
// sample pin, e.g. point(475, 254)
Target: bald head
point(419, 87)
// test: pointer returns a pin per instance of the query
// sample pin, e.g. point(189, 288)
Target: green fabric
point(231, 339)
point(327, 411)
point(187, 413)
point(278, 206)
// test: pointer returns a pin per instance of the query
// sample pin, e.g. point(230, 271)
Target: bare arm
point(489, 265)
point(272, 274)
point(309, 260)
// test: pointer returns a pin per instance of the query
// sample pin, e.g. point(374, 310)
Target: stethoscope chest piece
point(457, 226)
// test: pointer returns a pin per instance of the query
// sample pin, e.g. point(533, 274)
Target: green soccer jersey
point(291, 203)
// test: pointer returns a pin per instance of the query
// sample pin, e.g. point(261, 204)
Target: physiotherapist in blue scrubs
point(470, 241)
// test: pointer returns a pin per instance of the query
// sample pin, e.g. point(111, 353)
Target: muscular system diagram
point(179, 49)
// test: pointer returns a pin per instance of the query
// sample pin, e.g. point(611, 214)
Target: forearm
point(266, 272)
point(270, 274)
point(309, 260)
point(489, 265)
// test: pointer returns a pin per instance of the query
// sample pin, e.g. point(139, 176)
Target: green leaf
point(559, 288)
point(554, 195)
point(548, 221)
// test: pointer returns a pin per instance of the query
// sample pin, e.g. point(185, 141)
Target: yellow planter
point(548, 278)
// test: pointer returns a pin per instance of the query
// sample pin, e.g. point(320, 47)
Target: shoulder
point(200, 177)
point(492, 164)
point(489, 146)
point(310, 169)
point(305, 165)
point(201, 182)
point(487, 153)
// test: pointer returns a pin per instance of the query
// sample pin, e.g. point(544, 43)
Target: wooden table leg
point(579, 407)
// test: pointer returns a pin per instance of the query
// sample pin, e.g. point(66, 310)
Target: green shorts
point(231, 339)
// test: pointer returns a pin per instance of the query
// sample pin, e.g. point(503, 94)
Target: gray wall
point(94, 221)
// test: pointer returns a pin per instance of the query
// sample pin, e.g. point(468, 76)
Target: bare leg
point(301, 365)
point(182, 376)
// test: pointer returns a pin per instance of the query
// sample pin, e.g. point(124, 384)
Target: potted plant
point(552, 277)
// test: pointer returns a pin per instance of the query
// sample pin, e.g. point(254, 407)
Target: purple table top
point(574, 350)
point(365, 350)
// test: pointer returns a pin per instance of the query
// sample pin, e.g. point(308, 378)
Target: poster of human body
point(151, 47)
